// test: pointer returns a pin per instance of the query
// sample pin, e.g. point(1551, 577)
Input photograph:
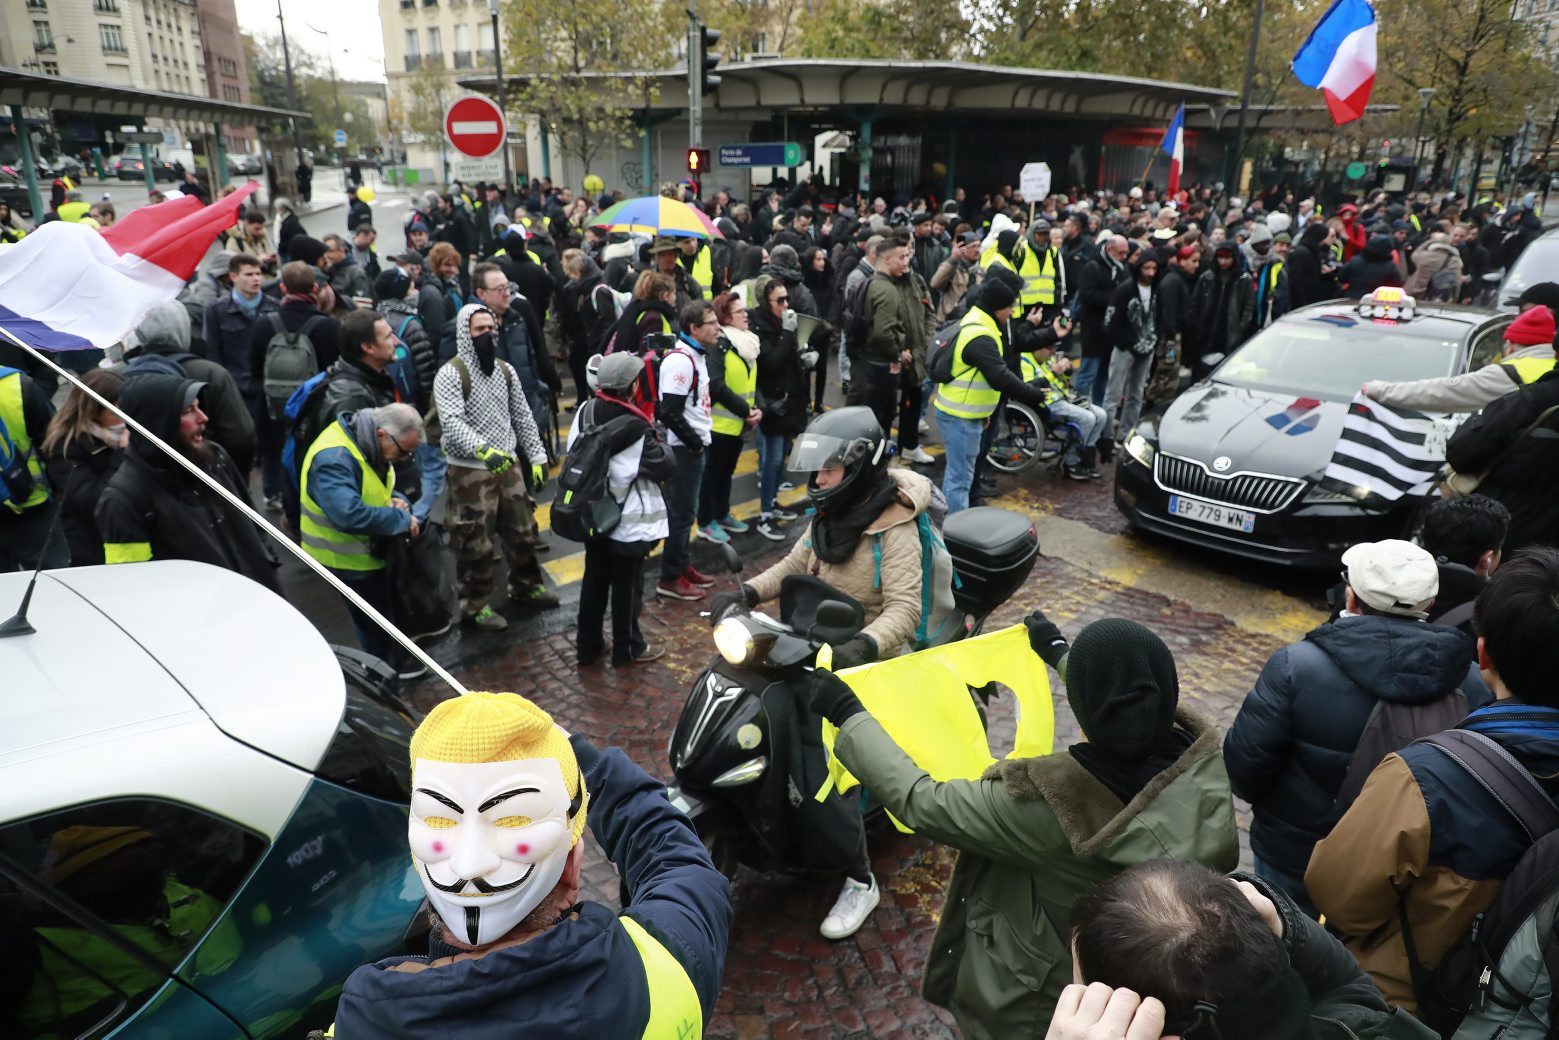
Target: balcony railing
point(462, 59)
point(43, 46)
point(484, 58)
point(413, 62)
point(106, 6)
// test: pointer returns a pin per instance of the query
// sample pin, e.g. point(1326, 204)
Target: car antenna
point(17, 624)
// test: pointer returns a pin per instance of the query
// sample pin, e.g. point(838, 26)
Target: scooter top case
point(993, 553)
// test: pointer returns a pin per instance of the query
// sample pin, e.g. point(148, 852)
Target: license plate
point(1211, 513)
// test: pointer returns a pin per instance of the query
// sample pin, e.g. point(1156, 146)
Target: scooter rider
point(864, 542)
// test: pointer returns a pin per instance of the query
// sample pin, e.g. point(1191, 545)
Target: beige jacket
point(892, 600)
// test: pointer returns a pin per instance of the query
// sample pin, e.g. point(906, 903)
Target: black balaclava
point(486, 347)
point(1122, 685)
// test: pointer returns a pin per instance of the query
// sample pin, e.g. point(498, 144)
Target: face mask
point(490, 840)
point(486, 346)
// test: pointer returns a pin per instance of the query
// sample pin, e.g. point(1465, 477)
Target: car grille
point(1253, 491)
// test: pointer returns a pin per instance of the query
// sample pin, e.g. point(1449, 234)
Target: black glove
point(1045, 639)
point(860, 650)
point(726, 602)
point(832, 698)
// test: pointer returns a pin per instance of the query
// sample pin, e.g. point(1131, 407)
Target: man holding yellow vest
point(977, 380)
point(1528, 354)
point(347, 504)
point(501, 799)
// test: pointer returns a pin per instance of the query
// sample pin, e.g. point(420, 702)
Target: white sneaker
point(854, 905)
point(925, 427)
point(919, 456)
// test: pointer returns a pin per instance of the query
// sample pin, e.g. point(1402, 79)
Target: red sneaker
point(679, 589)
point(697, 577)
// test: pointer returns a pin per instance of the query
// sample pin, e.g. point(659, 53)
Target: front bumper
point(1301, 535)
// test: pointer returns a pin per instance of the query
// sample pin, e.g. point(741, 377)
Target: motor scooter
point(737, 772)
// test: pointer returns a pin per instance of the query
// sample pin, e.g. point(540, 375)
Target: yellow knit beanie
point(499, 727)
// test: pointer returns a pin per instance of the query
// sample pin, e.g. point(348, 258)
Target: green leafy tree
point(904, 29)
point(584, 69)
point(327, 107)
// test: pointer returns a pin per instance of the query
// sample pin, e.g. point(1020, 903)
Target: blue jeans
point(771, 468)
point(1089, 381)
point(681, 509)
point(961, 443)
point(434, 467)
point(1090, 421)
point(1288, 884)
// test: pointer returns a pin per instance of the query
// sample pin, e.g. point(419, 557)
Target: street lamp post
point(292, 87)
point(335, 97)
point(1425, 95)
point(1250, 77)
point(508, 176)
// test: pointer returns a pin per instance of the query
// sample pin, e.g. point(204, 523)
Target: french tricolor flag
point(1339, 58)
point(1173, 145)
point(69, 287)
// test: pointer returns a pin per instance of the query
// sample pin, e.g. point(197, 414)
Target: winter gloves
point(538, 476)
point(1046, 639)
point(496, 461)
point(832, 698)
point(860, 650)
point(728, 602)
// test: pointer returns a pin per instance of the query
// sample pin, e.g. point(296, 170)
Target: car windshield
point(1331, 356)
point(1538, 262)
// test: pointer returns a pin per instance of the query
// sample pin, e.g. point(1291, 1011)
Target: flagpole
point(248, 510)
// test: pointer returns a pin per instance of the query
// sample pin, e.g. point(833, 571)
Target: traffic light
point(708, 40)
point(697, 162)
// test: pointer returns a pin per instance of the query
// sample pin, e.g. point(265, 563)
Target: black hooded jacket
point(79, 470)
point(1306, 284)
point(1371, 269)
point(1291, 744)
point(153, 509)
point(534, 281)
point(1519, 468)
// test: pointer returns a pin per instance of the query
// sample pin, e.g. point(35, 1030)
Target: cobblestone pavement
point(1220, 618)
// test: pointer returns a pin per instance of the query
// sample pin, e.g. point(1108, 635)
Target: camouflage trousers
point(482, 504)
point(1164, 383)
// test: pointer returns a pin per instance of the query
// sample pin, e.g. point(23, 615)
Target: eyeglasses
point(398, 445)
point(780, 299)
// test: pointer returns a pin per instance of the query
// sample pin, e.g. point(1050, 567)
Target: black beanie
point(310, 250)
point(1123, 688)
point(994, 294)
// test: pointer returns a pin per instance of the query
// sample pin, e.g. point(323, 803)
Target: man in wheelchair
point(1070, 419)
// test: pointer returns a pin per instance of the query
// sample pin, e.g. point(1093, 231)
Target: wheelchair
point(1024, 437)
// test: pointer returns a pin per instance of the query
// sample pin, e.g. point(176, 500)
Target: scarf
point(836, 535)
point(250, 305)
point(743, 341)
point(1126, 779)
point(365, 433)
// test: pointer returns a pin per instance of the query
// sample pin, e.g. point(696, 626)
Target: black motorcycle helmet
point(849, 437)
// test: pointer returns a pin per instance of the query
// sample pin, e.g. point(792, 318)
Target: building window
point(36, 5)
point(42, 37)
point(113, 42)
point(106, 6)
point(435, 45)
point(51, 68)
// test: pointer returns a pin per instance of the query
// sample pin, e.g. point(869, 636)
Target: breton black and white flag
point(1384, 453)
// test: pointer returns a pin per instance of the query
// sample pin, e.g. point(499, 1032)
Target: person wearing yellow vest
point(975, 383)
point(501, 800)
point(347, 507)
point(155, 509)
point(698, 261)
point(1528, 355)
point(74, 207)
point(25, 496)
point(1042, 270)
point(733, 386)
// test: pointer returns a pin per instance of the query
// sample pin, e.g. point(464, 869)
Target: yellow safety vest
point(742, 381)
point(990, 258)
point(530, 253)
point(967, 395)
point(1056, 386)
point(704, 271)
point(13, 419)
point(1039, 278)
point(338, 549)
point(74, 211)
point(1530, 369)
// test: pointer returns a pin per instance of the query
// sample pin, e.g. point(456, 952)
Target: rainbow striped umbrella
point(657, 215)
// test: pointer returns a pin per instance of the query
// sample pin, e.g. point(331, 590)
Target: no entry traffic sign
point(474, 126)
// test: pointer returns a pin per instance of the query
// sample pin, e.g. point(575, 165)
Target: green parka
point(1033, 835)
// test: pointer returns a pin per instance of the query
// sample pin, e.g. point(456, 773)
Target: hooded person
point(522, 267)
point(785, 264)
point(310, 250)
point(1374, 267)
point(395, 298)
point(1309, 267)
point(1223, 306)
point(161, 344)
point(154, 509)
point(501, 799)
point(617, 260)
point(1033, 834)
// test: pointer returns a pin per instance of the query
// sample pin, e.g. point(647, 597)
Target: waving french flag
point(1173, 145)
point(69, 287)
point(1339, 58)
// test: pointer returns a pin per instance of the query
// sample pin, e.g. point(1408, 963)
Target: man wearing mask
point(487, 424)
point(154, 509)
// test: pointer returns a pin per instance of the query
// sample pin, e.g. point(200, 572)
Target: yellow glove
point(538, 476)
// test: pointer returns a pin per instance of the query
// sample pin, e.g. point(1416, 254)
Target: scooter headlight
point(740, 642)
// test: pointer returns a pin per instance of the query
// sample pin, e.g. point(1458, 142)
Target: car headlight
point(1139, 448)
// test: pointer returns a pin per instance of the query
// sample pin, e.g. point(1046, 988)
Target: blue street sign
point(768, 153)
point(340, 138)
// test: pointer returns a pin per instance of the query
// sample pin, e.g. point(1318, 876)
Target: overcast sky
point(353, 26)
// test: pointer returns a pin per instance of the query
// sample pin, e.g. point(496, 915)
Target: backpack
point(290, 362)
point(618, 300)
point(1444, 284)
point(16, 480)
point(853, 313)
point(1392, 726)
point(939, 354)
point(433, 430)
point(1471, 975)
point(939, 616)
point(583, 509)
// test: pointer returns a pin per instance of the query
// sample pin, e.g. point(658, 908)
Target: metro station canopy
point(30, 90)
